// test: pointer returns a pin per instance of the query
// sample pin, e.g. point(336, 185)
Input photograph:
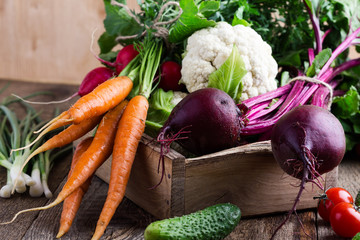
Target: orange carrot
point(67, 136)
point(128, 135)
point(63, 138)
point(103, 98)
point(72, 203)
point(99, 150)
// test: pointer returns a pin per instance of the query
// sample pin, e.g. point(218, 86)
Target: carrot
point(72, 203)
point(99, 150)
point(65, 137)
point(103, 98)
point(128, 135)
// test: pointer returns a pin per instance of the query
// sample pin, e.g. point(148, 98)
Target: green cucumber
point(212, 223)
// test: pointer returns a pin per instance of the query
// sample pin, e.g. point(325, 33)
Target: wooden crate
point(247, 176)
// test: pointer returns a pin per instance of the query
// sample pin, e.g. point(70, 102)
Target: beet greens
point(262, 112)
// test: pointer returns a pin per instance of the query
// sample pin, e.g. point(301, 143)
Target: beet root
point(205, 121)
point(308, 135)
point(307, 142)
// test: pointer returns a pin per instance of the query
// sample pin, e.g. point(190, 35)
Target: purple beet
point(307, 142)
point(205, 121)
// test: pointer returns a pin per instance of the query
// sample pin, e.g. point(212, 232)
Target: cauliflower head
point(207, 49)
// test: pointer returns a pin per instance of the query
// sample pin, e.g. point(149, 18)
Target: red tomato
point(333, 196)
point(345, 220)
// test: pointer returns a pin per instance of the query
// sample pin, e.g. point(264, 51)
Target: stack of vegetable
point(203, 74)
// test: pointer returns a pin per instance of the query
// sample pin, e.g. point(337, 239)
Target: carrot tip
point(60, 233)
point(53, 204)
point(46, 103)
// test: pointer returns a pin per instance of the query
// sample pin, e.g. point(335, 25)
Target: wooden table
point(129, 220)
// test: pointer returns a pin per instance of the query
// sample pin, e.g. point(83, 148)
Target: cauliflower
point(207, 49)
point(177, 97)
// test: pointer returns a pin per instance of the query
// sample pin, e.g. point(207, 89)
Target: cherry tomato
point(345, 220)
point(332, 197)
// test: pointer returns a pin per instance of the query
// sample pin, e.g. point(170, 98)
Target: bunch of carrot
point(120, 125)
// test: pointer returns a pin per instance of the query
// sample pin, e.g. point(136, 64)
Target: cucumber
point(212, 223)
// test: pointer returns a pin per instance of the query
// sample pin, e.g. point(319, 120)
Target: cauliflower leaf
point(228, 76)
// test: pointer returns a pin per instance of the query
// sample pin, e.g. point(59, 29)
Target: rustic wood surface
point(129, 220)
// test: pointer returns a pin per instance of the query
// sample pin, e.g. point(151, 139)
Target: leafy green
point(347, 110)
point(115, 17)
point(191, 20)
point(228, 76)
point(319, 62)
point(160, 107)
point(208, 8)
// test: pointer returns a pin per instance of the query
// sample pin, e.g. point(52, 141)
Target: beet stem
point(297, 200)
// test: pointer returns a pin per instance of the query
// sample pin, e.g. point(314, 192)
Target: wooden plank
point(49, 41)
point(128, 222)
point(144, 175)
point(248, 180)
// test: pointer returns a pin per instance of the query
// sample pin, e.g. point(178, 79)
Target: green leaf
point(159, 110)
point(106, 42)
point(208, 8)
point(285, 77)
point(319, 62)
point(291, 59)
point(347, 105)
point(189, 22)
point(109, 56)
point(355, 120)
point(119, 22)
point(347, 126)
point(357, 236)
point(351, 141)
point(161, 100)
point(228, 76)
point(237, 21)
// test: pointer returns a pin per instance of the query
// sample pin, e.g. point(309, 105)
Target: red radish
point(92, 79)
point(123, 58)
point(170, 76)
point(307, 142)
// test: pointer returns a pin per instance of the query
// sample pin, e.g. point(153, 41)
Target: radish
point(125, 55)
point(91, 80)
point(94, 78)
point(307, 142)
point(123, 58)
point(170, 76)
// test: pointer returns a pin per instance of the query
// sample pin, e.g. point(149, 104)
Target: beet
point(208, 121)
point(307, 142)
